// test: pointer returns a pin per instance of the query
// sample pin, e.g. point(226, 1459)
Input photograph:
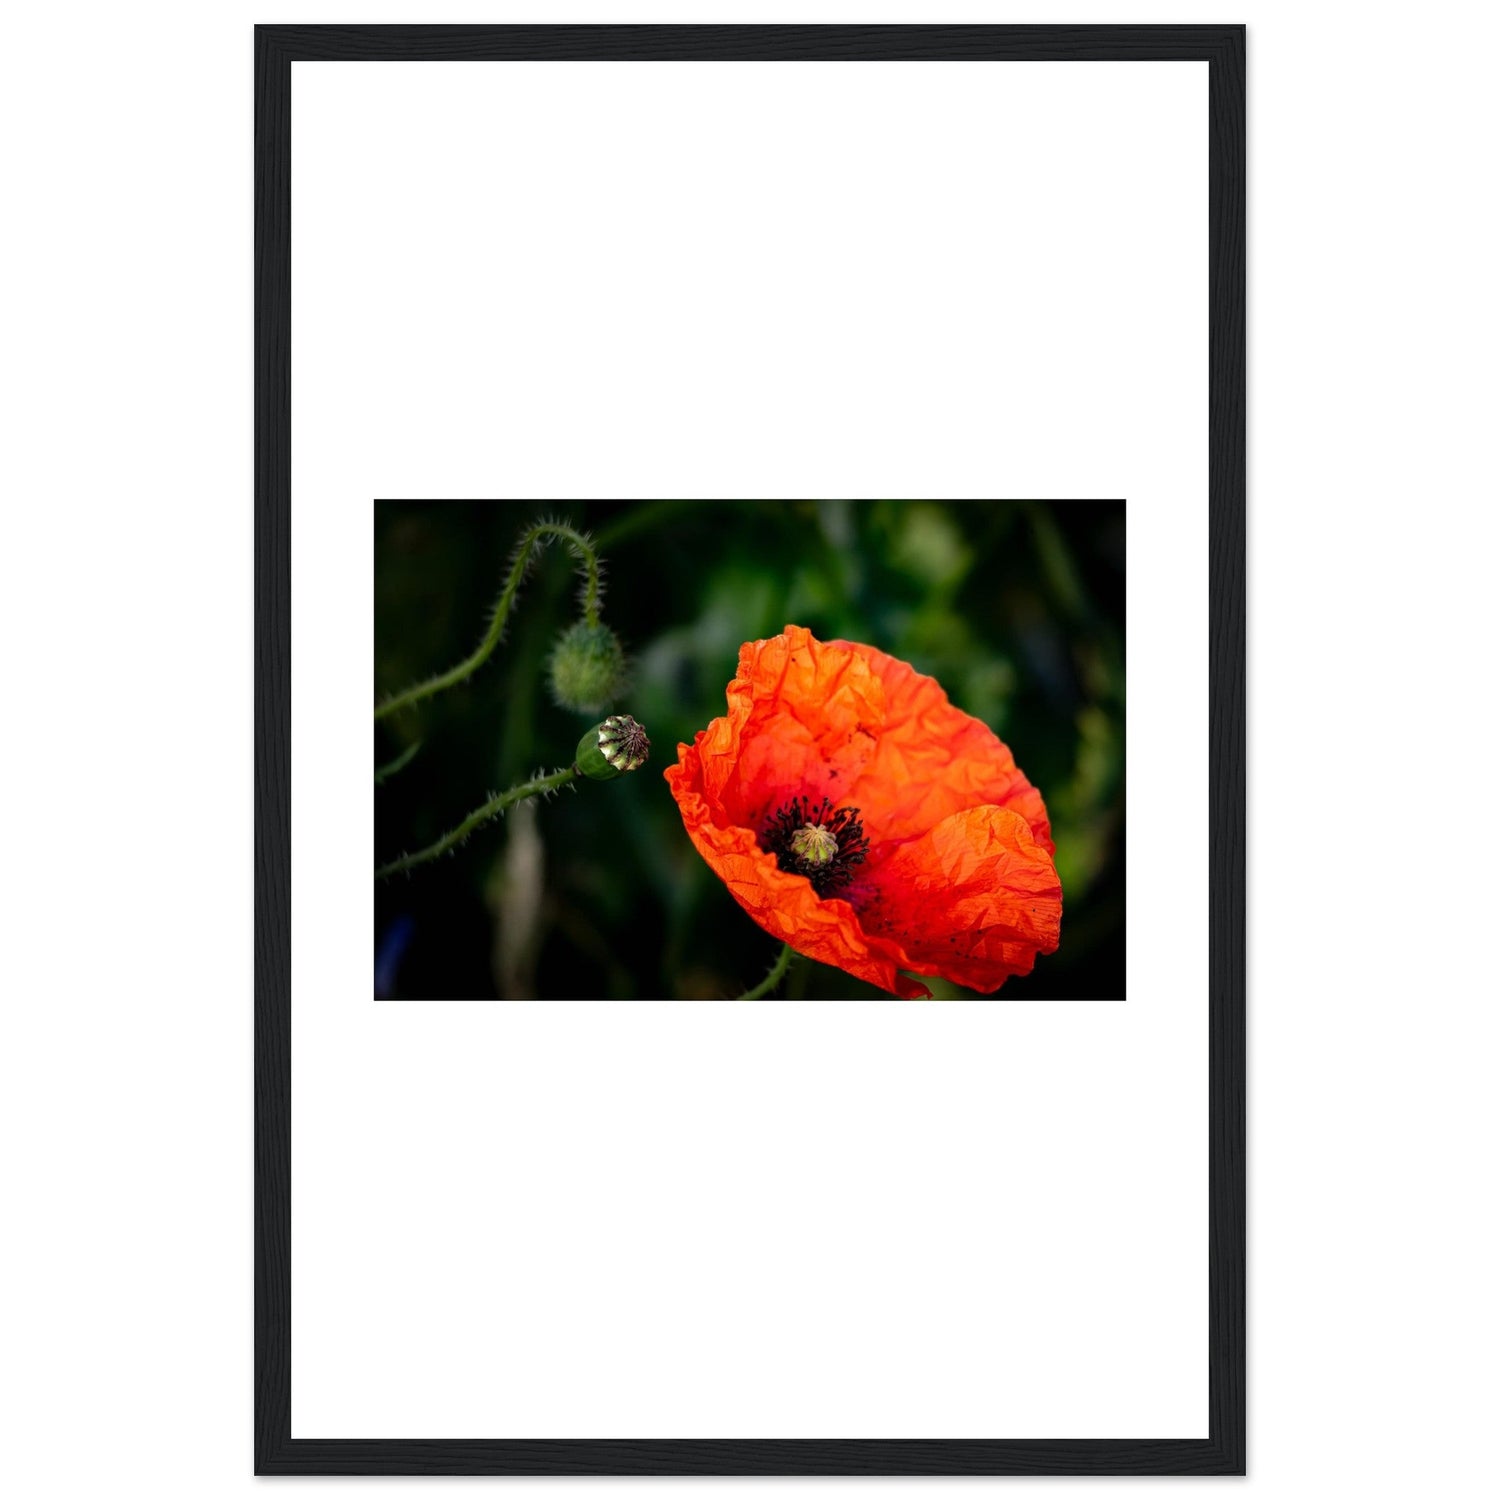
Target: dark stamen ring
point(799, 836)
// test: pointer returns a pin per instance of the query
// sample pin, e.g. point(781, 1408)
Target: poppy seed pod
point(587, 667)
point(612, 748)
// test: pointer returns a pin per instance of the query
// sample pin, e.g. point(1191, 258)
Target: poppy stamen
point(819, 841)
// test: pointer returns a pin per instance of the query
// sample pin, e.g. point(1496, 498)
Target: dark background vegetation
point(1016, 607)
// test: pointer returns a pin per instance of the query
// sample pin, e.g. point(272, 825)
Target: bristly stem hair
point(530, 546)
point(777, 974)
point(539, 785)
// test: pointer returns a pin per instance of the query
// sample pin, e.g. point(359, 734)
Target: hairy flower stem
point(537, 786)
point(777, 974)
point(531, 543)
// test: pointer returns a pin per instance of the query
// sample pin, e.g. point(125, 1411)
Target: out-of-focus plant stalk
point(400, 763)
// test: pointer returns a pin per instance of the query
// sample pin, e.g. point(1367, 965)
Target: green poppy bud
point(610, 749)
point(587, 667)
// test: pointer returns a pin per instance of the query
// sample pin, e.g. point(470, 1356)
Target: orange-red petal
point(974, 899)
point(932, 760)
point(784, 905)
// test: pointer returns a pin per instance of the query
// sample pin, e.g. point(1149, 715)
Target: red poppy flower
point(856, 814)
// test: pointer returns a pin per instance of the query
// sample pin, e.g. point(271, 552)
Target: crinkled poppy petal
point(960, 879)
point(784, 905)
point(932, 759)
point(974, 899)
point(803, 720)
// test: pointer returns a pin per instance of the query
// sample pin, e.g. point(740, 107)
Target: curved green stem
point(497, 804)
point(401, 762)
point(778, 972)
point(537, 537)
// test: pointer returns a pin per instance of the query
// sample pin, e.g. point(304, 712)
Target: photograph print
point(714, 750)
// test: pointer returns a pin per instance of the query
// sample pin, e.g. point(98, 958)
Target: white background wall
point(125, 618)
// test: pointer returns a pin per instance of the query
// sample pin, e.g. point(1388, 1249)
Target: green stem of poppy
point(401, 762)
point(535, 539)
point(778, 972)
point(537, 786)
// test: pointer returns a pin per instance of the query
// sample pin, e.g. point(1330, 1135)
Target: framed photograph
point(714, 485)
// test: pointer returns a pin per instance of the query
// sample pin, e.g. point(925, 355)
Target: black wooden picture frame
point(1223, 1451)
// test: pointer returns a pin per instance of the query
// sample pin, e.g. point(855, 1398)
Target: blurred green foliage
point(1016, 607)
